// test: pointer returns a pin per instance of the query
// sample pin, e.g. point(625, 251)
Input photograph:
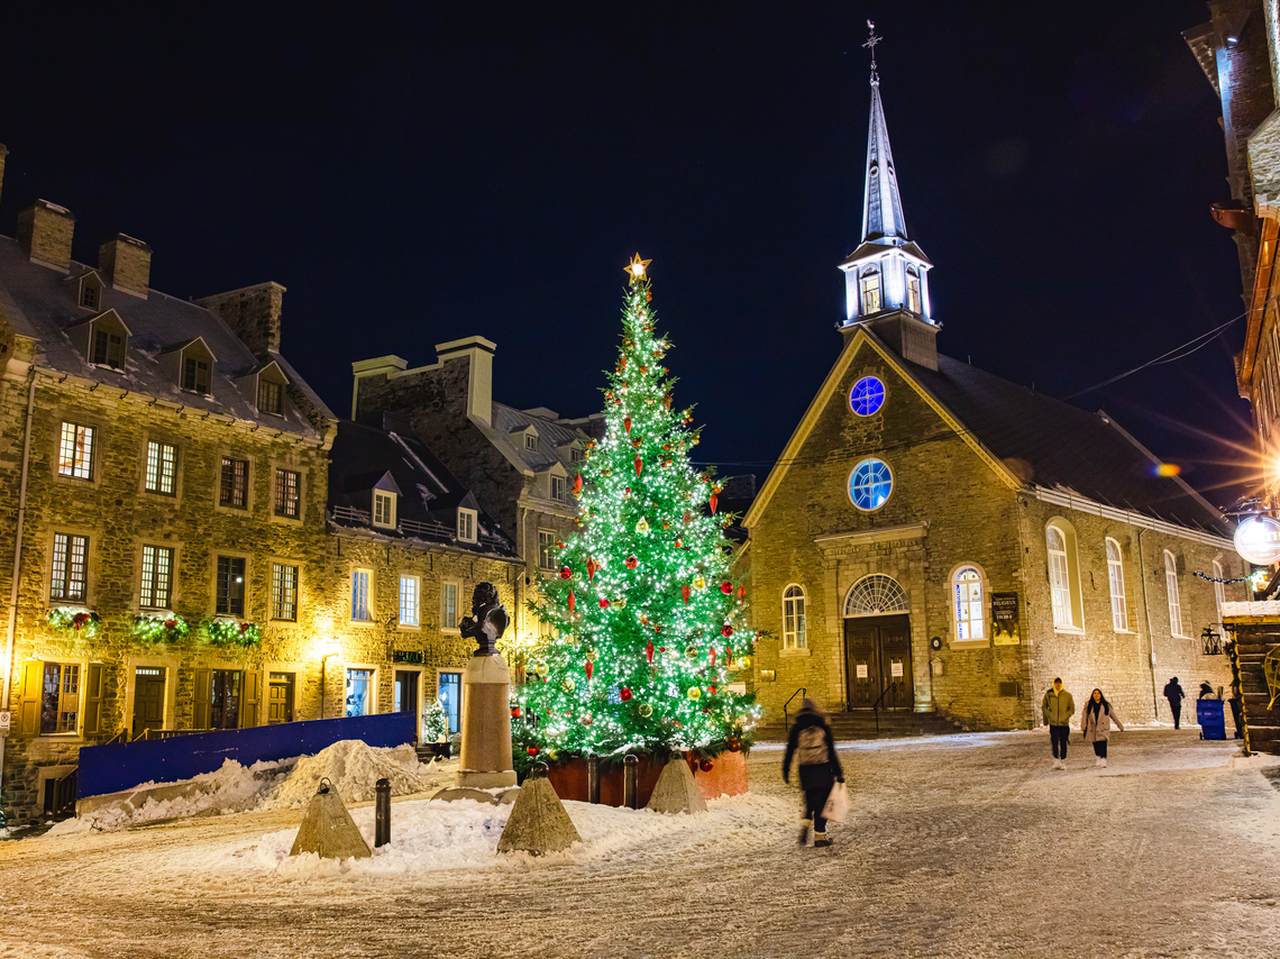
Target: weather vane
point(872, 39)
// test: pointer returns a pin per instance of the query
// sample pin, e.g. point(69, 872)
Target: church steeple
point(886, 283)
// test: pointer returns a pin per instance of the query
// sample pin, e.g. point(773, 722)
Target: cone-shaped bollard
point(675, 790)
point(327, 828)
point(538, 822)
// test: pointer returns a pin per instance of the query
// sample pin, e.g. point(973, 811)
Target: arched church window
point(793, 618)
point(876, 595)
point(914, 301)
point(1175, 594)
point(968, 605)
point(867, 396)
point(1064, 577)
point(870, 484)
point(871, 292)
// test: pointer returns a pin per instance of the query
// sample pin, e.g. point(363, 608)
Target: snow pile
point(353, 768)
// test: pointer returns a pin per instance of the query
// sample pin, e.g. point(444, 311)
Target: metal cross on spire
point(872, 39)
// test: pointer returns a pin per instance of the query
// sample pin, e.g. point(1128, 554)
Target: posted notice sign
point(5, 718)
point(1004, 619)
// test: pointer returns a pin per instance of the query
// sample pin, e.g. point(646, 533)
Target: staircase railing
point(802, 692)
point(878, 703)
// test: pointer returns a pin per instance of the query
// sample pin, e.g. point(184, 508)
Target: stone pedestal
point(485, 762)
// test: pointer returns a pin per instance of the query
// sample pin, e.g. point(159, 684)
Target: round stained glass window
point(867, 396)
point(870, 484)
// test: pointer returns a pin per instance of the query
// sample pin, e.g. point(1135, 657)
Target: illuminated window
point(449, 606)
point(968, 604)
point(75, 451)
point(360, 611)
point(870, 484)
point(288, 493)
point(546, 548)
point(1174, 594)
point(284, 591)
point(793, 618)
point(871, 292)
point(1064, 594)
point(410, 604)
point(1115, 581)
point(384, 509)
point(156, 589)
point(162, 468)
point(359, 692)
point(233, 483)
point(60, 698)
point(466, 525)
point(913, 291)
point(70, 568)
point(867, 396)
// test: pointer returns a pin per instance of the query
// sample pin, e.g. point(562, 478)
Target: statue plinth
point(485, 762)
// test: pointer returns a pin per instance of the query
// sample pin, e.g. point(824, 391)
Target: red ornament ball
point(726, 630)
point(565, 572)
point(726, 587)
point(706, 765)
point(532, 750)
point(632, 562)
point(604, 603)
point(625, 694)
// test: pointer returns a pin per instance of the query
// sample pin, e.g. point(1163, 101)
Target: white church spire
point(886, 274)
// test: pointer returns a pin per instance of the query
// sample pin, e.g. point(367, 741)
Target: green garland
point(231, 632)
point(160, 629)
point(69, 619)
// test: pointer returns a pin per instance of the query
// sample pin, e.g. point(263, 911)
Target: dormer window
point(270, 397)
point(384, 509)
point(871, 292)
point(575, 454)
point(466, 525)
point(108, 347)
point(559, 489)
point(196, 372)
point(531, 441)
point(89, 291)
point(89, 296)
point(913, 291)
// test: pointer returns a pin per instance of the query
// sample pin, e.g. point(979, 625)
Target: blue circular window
point(870, 484)
point(867, 396)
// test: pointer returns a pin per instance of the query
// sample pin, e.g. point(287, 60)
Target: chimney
point(4, 152)
point(125, 263)
point(45, 230)
point(253, 313)
point(477, 352)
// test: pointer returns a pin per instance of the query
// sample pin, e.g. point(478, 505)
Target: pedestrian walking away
point(1095, 725)
point(1174, 692)
point(811, 744)
point(1057, 708)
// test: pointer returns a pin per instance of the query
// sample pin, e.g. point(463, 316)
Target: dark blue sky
point(414, 176)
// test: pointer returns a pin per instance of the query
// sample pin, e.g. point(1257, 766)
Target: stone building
point(936, 539)
point(521, 464)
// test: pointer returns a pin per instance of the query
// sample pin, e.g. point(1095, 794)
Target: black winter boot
point(804, 833)
point(821, 840)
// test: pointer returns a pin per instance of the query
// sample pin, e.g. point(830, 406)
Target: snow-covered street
point(963, 846)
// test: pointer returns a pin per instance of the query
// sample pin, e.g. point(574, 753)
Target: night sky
point(414, 176)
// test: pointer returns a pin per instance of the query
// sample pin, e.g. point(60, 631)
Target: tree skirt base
point(727, 777)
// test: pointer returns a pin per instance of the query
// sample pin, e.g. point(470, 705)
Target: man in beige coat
point(1057, 708)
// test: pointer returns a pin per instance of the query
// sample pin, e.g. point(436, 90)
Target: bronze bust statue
point(488, 620)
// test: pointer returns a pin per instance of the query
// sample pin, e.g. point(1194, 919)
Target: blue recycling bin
point(1209, 716)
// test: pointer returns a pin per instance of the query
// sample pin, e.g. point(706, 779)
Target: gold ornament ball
point(645, 710)
point(695, 692)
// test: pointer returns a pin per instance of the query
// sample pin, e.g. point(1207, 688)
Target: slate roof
point(507, 434)
point(41, 303)
point(1056, 445)
point(430, 495)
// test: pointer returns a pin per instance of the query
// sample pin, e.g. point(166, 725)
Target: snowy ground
point(960, 846)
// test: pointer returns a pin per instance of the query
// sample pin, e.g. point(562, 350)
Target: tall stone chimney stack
point(45, 230)
point(125, 263)
point(477, 352)
point(253, 313)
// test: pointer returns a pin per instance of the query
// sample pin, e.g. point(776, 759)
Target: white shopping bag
point(837, 805)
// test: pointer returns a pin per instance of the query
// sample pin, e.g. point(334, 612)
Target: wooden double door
point(878, 662)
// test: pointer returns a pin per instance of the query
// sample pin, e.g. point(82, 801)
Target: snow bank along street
point(960, 846)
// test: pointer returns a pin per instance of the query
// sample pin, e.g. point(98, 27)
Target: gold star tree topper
point(637, 270)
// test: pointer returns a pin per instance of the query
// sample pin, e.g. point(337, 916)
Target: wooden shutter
point(29, 716)
point(203, 692)
point(93, 701)
point(251, 702)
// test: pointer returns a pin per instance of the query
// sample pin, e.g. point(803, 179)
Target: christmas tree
point(646, 626)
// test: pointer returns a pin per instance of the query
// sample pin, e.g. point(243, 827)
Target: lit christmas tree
point(647, 626)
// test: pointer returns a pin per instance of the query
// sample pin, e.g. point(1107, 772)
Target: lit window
point(225, 698)
point(270, 397)
point(162, 468)
point(384, 509)
point(449, 606)
point(156, 589)
point(70, 568)
point(233, 488)
point(288, 493)
point(793, 618)
point(60, 698)
point(1060, 579)
point(867, 396)
point(1115, 581)
point(410, 589)
point(913, 292)
point(467, 525)
point(546, 548)
point(229, 586)
point(359, 701)
point(967, 603)
point(284, 591)
point(75, 451)
point(195, 374)
point(870, 484)
point(449, 695)
point(360, 596)
point(1219, 589)
point(1174, 594)
point(871, 292)
point(108, 348)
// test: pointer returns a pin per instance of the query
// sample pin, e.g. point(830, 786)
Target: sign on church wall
point(1004, 619)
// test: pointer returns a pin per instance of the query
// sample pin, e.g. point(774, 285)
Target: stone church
point(936, 539)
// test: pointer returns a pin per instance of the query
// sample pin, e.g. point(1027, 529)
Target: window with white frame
point(531, 440)
point(794, 635)
point(449, 606)
point(466, 525)
point(546, 549)
point(870, 292)
point(559, 489)
point(359, 693)
point(1219, 589)
point(75, 451)
point(1061, 583)
point(968, 604)
point(913, 291)
point(161, 475)
point(70, 568)
point(156, 588)
point(360, 595)
point(1174, 593)
point(384, 509)
point(410, 600)
point(1115, 582)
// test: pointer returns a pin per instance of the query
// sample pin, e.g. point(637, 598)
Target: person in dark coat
point(1206, 691)
point(815, 751)
point(1174, 692)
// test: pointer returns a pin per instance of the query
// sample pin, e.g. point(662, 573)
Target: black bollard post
point(382, 813)
point(593, 779)
point(630, 790)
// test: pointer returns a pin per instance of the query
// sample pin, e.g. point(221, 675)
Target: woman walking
point(811, 743)
point(1095, 724)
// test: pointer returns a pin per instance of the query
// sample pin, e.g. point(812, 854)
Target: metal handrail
point(121, 736)
point(802, 692)
point(876, 706)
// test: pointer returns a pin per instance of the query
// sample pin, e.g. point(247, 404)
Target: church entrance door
point(878, 662)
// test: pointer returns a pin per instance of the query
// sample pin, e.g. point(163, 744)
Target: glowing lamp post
point(1257, 540)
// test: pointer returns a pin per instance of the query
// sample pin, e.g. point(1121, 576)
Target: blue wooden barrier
point(108, 769)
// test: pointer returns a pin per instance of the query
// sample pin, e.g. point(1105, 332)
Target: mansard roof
point(362, 459)
point(554, 437)
point(38, 303)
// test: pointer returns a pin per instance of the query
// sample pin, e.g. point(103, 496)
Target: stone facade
point(954, 506)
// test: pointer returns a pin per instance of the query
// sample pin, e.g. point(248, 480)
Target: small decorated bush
point(231, 632)
point(68, 619)
point(160, 629)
